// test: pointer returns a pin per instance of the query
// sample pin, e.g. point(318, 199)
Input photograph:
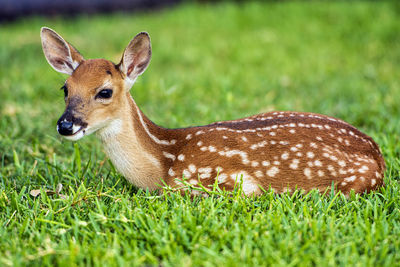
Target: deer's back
point(281, 150)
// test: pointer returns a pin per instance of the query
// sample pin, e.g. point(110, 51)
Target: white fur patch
point(295, 164)
point(222, 178)
point(171, 172)
point(363, 169)
point(205, 170)
point(265, 163)
point(130, 159)
point(350, 179)
point(307, 173)
point(192, 168)
point(342, 163)
point(259, 174)
point(273, 171)
point(254, 163)
point(169, 155)
point(318, 163)
point(310, 154)
point(186, 173)
point(231, 153)
point(74, 137)
point(285, 156)
point(248, 184)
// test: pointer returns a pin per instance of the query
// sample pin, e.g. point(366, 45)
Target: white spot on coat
point(254, 163)
point(205, 172)
point(186, 173)
point(265, 163)
point(272, 171)
point(205, 175)
point(259, 174)
point(257, 145)
point(342, 163)
point(307, 173)
point(318, 163)
point(169, 155)
point(242, 154)
point(171, 172)
point(313, 145)
point(363, 169)
point(350, 179)
point(192, 168)
point(222, 177)
point(295, 164)
point(310, 154)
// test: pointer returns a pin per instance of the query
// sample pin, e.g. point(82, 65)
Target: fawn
point(278, 150)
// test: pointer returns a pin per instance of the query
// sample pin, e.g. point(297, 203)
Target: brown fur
point(281, 150)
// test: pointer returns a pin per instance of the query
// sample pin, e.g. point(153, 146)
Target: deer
point(281, 150)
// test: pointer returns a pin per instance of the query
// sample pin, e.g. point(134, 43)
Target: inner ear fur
point(62, 56)
point(136, 56)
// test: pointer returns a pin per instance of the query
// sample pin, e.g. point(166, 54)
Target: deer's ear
point(62, 56)
point(136, 57)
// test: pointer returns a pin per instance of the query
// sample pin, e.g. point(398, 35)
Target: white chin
point(79, 132)
point(75, 136)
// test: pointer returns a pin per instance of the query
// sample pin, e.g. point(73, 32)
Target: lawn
point(210, 62)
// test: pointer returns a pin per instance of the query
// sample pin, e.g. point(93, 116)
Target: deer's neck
point(137, 147)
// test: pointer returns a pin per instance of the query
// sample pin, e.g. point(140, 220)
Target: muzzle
point(69, 125)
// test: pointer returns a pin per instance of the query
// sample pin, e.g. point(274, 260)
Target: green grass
point(209, 63)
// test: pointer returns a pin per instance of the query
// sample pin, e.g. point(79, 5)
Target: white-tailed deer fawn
point(278, 150)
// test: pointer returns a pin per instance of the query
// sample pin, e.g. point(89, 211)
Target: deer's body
point(278, 150)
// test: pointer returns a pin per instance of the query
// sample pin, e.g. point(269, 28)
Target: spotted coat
point(278, 150)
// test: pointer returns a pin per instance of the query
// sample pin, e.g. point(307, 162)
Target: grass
point(210, 62)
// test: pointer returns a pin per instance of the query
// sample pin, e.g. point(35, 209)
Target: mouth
point(77, 133)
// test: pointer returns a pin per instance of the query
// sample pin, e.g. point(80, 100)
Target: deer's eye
point(105, 93)
point(65, 90)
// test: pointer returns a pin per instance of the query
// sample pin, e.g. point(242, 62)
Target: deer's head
point(95, 88)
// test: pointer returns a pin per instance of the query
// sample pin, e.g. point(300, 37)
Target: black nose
point(65, 127)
